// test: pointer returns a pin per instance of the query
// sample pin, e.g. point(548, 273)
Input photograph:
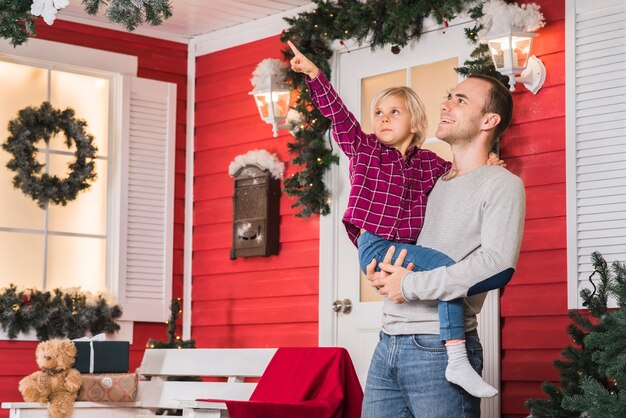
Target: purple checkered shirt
point(388, 194)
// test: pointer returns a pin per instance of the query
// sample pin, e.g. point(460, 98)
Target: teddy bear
point(57, 382)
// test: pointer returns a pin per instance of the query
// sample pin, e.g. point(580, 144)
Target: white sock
point(461, 372)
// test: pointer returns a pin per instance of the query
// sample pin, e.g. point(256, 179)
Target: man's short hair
point(499, 101)
point(414, 105)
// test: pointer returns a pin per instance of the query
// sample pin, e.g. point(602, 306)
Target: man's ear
point(490, 121)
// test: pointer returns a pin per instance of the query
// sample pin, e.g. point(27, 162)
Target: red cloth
point(315, 382)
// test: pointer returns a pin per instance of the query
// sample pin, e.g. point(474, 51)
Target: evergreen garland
point(56, 314)
point(132, 13)
point(592, 373)
point(18, 24)
point(378, 22)
point(34, 124)
point(481, 61)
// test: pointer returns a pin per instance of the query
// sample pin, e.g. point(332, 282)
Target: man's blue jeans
point(407, 379)
point(451, 315)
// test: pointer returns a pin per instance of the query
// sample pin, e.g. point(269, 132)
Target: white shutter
point(147, 201)
point(596, 138)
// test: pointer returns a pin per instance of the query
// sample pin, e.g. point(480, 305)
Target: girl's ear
point(490, 121)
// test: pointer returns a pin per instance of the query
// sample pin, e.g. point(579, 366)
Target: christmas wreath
point(34, 124)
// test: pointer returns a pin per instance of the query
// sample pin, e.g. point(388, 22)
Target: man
point(475, 215)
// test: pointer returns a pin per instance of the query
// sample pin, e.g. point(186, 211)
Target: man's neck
point(466, 158)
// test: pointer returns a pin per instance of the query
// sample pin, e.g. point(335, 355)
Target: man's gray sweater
point(477, 219)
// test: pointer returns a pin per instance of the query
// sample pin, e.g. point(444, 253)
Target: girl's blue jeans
point(451, 317)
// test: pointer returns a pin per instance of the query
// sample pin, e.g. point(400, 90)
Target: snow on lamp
point(271, 95)
point(508, 32)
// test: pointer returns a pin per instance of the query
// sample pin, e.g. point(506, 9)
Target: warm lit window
point(61, 246)
point(117, 236)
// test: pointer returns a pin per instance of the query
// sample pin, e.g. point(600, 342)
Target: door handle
point(344, 306)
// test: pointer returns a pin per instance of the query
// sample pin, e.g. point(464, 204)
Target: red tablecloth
point(314, 382)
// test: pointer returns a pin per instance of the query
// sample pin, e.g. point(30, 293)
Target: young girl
point(390, 179)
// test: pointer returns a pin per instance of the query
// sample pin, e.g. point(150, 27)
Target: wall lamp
point(272, 98)
point(510, 52)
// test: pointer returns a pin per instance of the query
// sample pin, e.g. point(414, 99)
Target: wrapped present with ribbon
point(96, 355)
point(108, 387)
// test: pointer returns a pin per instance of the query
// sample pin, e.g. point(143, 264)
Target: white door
point(354, 71)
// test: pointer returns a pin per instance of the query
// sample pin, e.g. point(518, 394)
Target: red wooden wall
point(158, 60)
point(273, 301)
point(257, 301)
point(534, 304)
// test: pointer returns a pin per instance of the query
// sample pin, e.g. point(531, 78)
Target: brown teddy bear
point(57, 382)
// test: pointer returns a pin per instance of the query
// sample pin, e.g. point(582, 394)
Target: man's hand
point(301, 64)
point(388, 280)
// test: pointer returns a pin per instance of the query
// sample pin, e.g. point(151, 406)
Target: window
point(596, 137)
point(117, 236)
point(61, 246)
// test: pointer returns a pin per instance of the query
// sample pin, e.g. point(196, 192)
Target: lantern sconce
point(271, 94)
point(510, 52)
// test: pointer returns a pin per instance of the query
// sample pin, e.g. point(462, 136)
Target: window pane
point(21, 259)
point(432, 82)
point(21, 86)
point(89, 97)
point(86, 214)
point(16, 209)
point(76, 262)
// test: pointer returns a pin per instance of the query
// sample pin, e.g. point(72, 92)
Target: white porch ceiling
point(192, 18)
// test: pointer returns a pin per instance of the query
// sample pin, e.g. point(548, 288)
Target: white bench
point(156, 392)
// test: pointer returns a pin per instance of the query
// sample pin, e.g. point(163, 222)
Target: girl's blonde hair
point(414, 106)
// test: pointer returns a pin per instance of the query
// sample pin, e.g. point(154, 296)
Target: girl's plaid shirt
point(388, 194)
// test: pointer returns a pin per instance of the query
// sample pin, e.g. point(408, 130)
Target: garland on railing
point(378, 22)
point(56, 314)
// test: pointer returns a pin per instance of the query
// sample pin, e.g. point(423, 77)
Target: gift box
point(108, 387)
point(101, 356)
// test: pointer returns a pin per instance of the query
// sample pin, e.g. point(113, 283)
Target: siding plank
point(255, 301)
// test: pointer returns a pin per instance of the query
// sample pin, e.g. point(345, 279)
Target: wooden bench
point(156, 392)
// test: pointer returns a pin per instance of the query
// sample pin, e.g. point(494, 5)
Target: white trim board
point(42, 52)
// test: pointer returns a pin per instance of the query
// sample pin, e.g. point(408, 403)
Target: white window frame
point(579, 266)
point(121, 70)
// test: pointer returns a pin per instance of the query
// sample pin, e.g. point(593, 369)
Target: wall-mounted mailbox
point(256, 217)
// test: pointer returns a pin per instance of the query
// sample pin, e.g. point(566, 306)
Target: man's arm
point(501, 235)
